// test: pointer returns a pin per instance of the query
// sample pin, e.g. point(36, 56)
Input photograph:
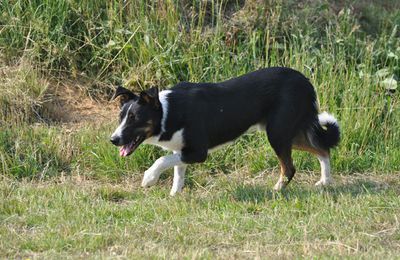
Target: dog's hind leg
point(152, 175)
point(280, 134)
point(179, 178)
point(302, 143)
point(287, 169)
point(284, 152)
point(326, 177)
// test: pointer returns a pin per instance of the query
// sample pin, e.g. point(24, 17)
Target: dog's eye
point(131, 116)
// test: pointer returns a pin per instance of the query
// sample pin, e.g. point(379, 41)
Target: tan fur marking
point(149, 129)
point(301, 143)
point(287, 170)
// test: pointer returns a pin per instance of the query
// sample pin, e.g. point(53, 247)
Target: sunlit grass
point(227, 217)
point(65, 191)
point(162, 43)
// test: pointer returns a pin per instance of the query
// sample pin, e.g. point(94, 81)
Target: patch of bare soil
point(70, 105)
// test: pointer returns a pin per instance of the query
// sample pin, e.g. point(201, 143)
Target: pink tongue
point(123, 151)
point(126, 149)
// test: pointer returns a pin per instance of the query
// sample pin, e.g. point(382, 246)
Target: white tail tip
point(325, 118)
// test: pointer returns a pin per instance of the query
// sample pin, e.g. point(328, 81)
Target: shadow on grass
point(252, 193)
point(260, 193)
point(115, 195)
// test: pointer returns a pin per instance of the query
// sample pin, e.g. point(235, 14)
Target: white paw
point(150, 178)
point(323, 182)
point(279, 185)
point(176, 189)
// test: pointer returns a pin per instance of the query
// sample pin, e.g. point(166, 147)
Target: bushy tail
point(326, 133)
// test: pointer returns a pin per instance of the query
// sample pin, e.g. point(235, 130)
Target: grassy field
point(65, 192)
point(234, 216)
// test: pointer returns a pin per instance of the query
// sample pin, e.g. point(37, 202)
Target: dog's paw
point(150, 178)
point(279, 185)
point(176, 190)
point(322, 183)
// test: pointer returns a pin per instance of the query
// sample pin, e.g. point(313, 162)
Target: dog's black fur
point(215, 113)
point(281, 100)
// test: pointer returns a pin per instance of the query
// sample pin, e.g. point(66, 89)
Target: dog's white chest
point(174, 144)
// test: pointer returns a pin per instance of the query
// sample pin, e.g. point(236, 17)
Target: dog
point(193, 119)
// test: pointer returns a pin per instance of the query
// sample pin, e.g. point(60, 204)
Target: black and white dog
point(192, 119)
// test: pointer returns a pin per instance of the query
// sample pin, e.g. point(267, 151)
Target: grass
point(65, 192)
point(354, 70)
point(235, 217)
point(22, 93)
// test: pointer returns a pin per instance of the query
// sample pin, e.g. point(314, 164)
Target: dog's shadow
point(261, 193)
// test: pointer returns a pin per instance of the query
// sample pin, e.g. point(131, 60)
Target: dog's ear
point(124, 94)
point(150, 96)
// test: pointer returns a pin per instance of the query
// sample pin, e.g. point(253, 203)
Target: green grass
point(354, 70)
point(235, 217)
point(22, 92)
point(65, 192)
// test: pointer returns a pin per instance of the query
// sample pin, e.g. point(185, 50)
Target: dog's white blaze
point(174, 144)
point(325, 118)
point(120, 128)
point(162, 96)
point(325, 170)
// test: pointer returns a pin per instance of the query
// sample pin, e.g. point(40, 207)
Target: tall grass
point(22, 93)
point(349, 50)
point(353, 67)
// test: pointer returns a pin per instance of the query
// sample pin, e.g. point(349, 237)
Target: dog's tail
point(325, 133)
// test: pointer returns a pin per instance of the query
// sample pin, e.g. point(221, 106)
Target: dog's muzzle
point(115, 140)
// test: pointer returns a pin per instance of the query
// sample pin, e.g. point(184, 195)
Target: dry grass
point(73, 107)
point(235, 217)
point(64, 192)
point(22, 92)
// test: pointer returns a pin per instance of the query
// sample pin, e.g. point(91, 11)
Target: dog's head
point(140, 117)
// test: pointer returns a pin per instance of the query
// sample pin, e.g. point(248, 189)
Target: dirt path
point(70, 105)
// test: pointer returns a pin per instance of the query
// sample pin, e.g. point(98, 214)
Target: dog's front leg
point(152, 175)
point(179, 179)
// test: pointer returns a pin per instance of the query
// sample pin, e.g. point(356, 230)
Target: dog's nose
point(114, 140)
